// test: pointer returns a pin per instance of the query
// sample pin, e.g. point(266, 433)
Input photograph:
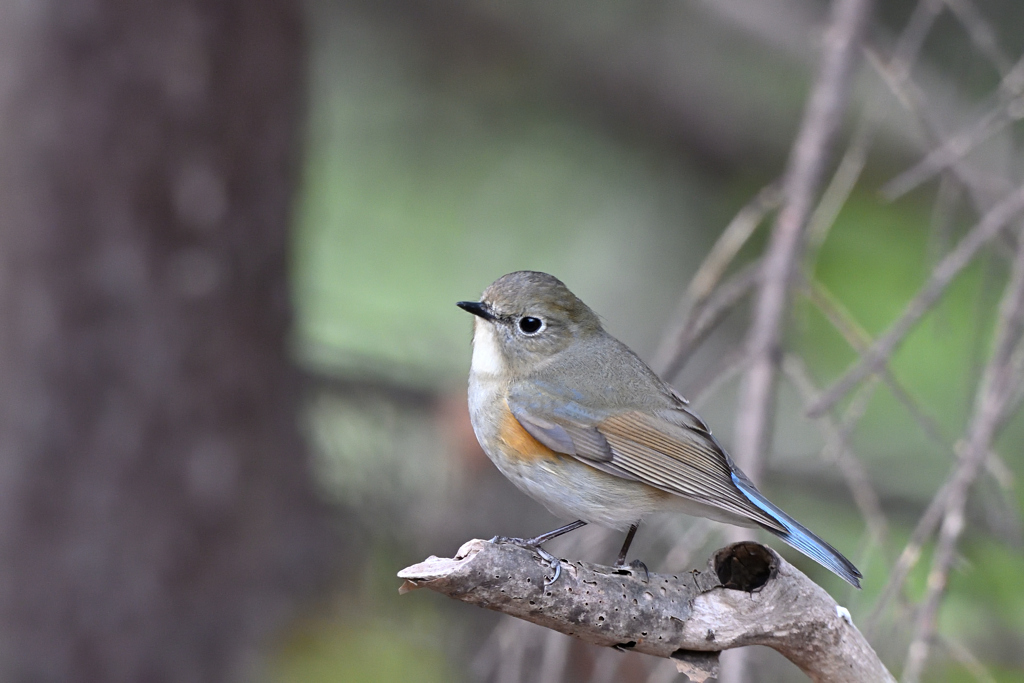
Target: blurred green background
point(449, 143)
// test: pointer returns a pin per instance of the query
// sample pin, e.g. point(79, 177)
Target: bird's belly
point(567, 487)
point(571, 489)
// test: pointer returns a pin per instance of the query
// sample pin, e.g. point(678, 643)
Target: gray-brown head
point(524, 318)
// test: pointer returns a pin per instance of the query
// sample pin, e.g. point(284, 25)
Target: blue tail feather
point(799, 536)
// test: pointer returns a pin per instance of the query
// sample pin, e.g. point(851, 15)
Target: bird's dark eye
point(530, 325)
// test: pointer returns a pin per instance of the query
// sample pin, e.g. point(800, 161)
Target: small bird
point(577, 421)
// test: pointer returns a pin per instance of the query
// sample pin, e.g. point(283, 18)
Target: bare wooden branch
point(944, 273)
point(821, 122)
point(747, 595)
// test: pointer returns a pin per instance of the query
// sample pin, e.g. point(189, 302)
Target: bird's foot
point(534, 545)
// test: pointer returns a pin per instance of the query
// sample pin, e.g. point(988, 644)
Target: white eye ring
point(530, 325)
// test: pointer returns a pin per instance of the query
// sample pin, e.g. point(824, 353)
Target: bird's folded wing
point(663, 450)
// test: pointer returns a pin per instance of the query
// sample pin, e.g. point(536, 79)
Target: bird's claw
point(553, 562)
point(530, 544)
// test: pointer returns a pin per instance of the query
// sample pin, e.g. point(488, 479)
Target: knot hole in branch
point(745, 566)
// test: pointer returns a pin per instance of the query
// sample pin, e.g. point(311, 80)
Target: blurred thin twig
point(704, 299)
point(957, 146)
point(729, 243)
point(909, 556)
point(860, 341)
point(606, 665)
point(981, 33)
point(839, 188)
point(981, 190)
point(967, 660)
point(706, 316)
point(805, 170)
point(994, 392)
point(820, 124)
point(878, 355)
point(905, 54)
point(837, 446)
point(554, 658)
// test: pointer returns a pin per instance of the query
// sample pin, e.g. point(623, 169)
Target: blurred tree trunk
point(156, 515)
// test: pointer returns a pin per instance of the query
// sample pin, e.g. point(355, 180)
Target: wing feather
point(678, 459)
point(670, 450)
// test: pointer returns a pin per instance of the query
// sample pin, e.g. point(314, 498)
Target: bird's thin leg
point(534, 544)
point(544, 538)
point(621, 562)
point(635, 564)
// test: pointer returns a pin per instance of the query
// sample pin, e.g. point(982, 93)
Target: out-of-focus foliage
point(421, 188)
point(369, 636)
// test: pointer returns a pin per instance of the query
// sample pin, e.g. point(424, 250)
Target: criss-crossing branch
point(996, 389)
point(944, 273)
point(803, 178)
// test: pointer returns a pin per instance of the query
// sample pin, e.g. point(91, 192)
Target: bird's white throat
point(487, 358)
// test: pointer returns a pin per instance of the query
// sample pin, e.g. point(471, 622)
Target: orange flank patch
point(519, 443)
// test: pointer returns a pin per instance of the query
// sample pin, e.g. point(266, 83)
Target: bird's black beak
point(477, 308)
